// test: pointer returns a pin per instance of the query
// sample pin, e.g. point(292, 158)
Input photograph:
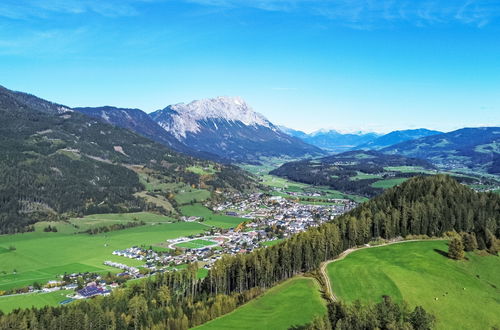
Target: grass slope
point(210, 218)
point(418, 272)
point(293, 302)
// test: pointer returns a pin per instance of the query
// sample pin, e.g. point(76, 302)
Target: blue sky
point(308, 64)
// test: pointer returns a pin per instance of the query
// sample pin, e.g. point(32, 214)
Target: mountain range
point(472, 148)
point(336, 141)
point(228, 127)
point(224, 129)
point(332, 140)
point(396, 137)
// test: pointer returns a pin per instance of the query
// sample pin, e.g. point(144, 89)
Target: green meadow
point(388, 183)
point(210, 218)
point(41, 256)
point(271, 243)
point(75, 225)
point(9, 303)
point(292, 303)
point(187, 196)
point(461, 294)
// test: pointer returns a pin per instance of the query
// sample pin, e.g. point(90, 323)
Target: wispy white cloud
point(374, 13)
point(15, 9)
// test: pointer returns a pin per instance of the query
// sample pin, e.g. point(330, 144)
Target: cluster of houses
point(129, 269)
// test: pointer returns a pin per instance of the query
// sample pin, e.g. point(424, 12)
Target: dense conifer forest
point(178, 300)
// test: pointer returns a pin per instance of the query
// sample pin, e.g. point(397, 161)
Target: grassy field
point(40, 256)
point(191, 195)
point(75, 225)
point(210, 218)
point(9, 303)
point(388, 183)
point(271, 243)
point(294, 302)
point(195, 244)
point(418, 272)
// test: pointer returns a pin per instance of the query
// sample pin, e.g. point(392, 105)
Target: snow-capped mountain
point(333, 140)
point(138, 121)
point(228, 127)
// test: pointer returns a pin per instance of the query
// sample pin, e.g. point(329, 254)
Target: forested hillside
point(178, 300)
point(54, 161)
point(352, 172)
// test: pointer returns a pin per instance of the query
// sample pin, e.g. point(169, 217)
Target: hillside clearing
point(418, 273)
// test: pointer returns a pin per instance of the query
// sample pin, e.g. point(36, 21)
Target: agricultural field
point(210, 218)
point(292, 303)
point(388, 183)
point(302, 188)
point(461, 294)
point(9, 303)
point(75, 225)
point(41, 256)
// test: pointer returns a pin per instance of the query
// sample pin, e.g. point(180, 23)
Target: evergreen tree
point(456, 249)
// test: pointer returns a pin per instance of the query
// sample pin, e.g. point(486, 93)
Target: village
point(269, 220)
point(266, 220)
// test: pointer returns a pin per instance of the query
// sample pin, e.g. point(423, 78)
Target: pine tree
point(456, 249)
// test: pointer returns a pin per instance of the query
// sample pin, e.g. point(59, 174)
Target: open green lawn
point(388, 183)
point(210, 218)
point(418, 273)
point(41, 256)
point(271, 243)
point(294, 302)
point(195, 244)
point(189, 195)
point(9, 303)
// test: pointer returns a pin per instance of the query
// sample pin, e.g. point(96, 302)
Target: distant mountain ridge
point(332, 140)
point(229, 128)
point(474, 148)
point(395, 137)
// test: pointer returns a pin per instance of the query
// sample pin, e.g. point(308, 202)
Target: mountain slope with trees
point(140, 122)
point(473, 148)
point(352, 172)
point(55, 161)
